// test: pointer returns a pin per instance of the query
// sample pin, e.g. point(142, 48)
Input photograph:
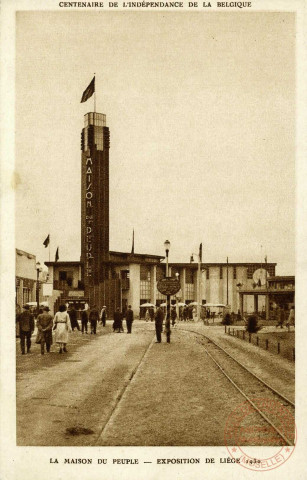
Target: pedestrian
point(103, 315)
point(84, 320)
point(280, 316)
point(26, 328)
point(118, 321)
point(94, 318)
point(147, 316)
point(151, 314)
point(44, 325)
point(173, 316)
point(291, 318)
point(62, 327)
point(73, 318)
point(129, 319)
point(159, 317)
point(185, 314)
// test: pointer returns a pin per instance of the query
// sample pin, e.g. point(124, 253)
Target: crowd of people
point(56, 329)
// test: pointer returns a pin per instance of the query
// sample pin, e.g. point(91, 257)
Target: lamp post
point(199, 256)
point(177, 298)
point(38, 270)
point(167, 246)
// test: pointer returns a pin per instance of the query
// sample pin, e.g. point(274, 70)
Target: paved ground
point(119, 389)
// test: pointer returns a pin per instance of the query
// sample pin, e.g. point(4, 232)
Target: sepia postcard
point(153, 232)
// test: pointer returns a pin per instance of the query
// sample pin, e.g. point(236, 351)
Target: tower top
point(97, 119)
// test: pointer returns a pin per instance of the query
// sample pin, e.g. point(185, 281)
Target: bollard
point(233, 332)
point(266, 344)
point(225, 328)
point(243, 334)
point(257, 340)
point(293, 352)
point(238, 333)
point(249, 338)
point(278, 347)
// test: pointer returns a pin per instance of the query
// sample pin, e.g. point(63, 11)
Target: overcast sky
point(200, 108)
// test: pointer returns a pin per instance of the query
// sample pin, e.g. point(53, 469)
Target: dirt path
point(76, 390)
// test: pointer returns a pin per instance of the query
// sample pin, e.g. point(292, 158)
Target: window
point(145, 290)
point(189, 291)
point(26, 295)
point(145, 273)
point(189, 276)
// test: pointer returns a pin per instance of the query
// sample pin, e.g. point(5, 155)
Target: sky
point(201, 111)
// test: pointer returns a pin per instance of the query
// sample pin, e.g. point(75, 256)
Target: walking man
point(94, 318)
point(159, 317)
point(118, 321)
point(44, 325)
point(84, 320)
point(26, 328)
point(73, 318)
point(129, 319)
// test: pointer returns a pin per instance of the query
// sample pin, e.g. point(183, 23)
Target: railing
point(278, 347)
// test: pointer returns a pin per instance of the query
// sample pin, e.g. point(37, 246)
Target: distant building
point(25, 277)
point(116, 279)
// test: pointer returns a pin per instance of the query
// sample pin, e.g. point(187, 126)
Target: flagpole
point(49, 250)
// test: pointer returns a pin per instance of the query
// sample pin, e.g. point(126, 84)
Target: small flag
point(200, 252)
point(57, 254)
point(265, 259)
point(47, 241)
point(132, 249)
point(88, 92)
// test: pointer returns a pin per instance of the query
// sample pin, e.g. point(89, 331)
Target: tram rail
point(248, 384)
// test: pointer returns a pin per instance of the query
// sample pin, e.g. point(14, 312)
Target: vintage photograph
point(154, 226)
point(151, 240)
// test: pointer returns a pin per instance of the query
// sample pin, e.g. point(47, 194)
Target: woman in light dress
point(147, 316)
point(62, 327)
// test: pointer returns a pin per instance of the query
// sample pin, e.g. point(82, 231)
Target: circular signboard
point(168, 286)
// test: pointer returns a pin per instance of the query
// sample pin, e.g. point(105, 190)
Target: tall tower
point(95, 144)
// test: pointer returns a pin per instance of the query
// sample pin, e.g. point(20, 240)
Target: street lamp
point(199, 256)
point(177, 308)
point(38, 270)
point(167, 245)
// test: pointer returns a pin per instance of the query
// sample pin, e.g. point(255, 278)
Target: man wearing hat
point(44, 325)
point(26, 328)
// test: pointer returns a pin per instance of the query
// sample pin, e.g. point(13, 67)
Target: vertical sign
point(89, 218)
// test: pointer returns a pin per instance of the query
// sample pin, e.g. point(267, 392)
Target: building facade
point(118, 279)
point(25, 277)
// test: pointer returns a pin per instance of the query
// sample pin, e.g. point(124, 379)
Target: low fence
point(273, 346)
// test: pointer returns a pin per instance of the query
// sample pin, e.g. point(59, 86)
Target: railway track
point(274, 408)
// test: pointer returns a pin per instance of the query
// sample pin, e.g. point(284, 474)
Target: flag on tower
point(200, 252)
point(47, 241)
point(88, 92)
point(57, 254)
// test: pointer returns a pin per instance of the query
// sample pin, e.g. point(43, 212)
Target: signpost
point(168, 286)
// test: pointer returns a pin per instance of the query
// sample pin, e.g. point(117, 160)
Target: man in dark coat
point(129, 319)
point(44, 324)
point(73, 318)
point(118, 321)
point(94, 318)
point(159, 317)
point(26, 328)
point(84, 320)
